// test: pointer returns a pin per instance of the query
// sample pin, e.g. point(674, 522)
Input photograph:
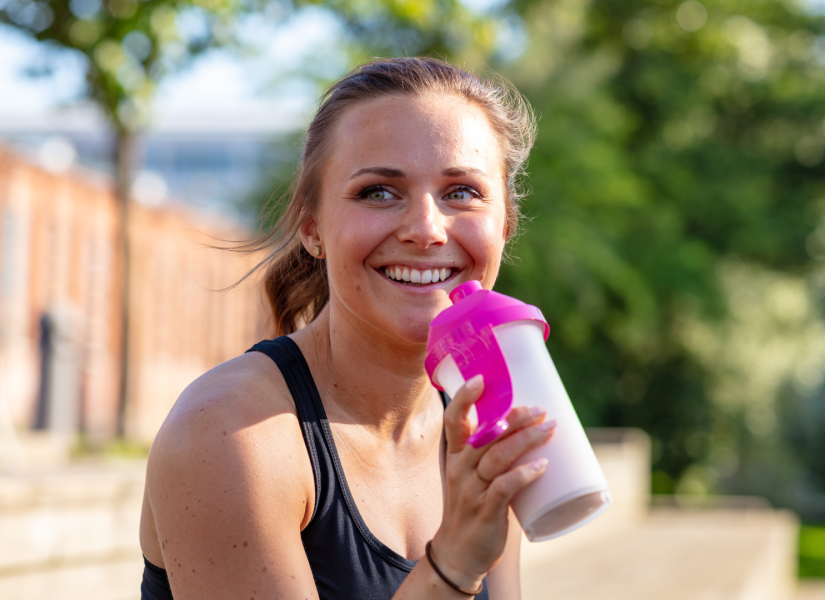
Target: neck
point(366, 378)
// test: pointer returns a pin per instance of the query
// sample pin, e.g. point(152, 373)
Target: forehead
point(430, 131)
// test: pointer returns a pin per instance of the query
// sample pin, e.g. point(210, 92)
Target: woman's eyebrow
point(385, 171)
point(459, 171)
point(398, 173)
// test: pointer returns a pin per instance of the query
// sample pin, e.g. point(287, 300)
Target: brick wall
point(58, 253)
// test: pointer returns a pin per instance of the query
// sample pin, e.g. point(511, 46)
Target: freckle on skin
point(234, 545)
point(245, 544)
point(224, 433)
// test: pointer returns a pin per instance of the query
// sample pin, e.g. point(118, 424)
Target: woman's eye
point(376, 194)
point(461, 194)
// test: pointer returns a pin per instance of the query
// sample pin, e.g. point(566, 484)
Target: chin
point(412, 331)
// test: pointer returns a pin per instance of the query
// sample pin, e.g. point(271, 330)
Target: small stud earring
point(316, 250)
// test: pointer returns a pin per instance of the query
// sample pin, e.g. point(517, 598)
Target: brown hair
point(296, 282)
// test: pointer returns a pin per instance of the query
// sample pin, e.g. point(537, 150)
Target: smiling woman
point(323, 463)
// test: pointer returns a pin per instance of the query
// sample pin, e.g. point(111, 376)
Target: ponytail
point(296, 286)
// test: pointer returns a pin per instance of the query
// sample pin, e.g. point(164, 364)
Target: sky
point(216, 83)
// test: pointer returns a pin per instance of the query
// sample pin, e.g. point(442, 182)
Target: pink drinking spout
point(464, 332)
point(464, 290)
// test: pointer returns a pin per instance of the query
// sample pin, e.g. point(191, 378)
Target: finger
point(519, 418)
point(505, 486)
point(503, 453)
point(457, 426)
point(523, 416)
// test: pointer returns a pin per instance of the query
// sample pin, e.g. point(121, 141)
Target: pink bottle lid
point(465, 332)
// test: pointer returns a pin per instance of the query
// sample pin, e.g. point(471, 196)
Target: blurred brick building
point(58, 235)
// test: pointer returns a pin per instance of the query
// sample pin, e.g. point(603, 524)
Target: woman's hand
point(480, 484)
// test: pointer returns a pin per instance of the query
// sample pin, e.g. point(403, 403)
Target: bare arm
point(227, 489)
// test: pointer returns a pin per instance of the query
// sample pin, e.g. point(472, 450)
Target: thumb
point(457, 426)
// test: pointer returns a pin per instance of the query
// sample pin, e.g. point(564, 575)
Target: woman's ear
point(310, 234)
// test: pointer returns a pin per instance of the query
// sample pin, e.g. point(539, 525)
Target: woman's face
point(412, 205)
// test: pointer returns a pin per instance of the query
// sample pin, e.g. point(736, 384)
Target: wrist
point(463, 581)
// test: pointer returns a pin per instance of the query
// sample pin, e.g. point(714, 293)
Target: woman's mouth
point(419, 277)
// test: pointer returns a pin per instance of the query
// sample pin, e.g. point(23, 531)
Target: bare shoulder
point(237, 405)
point(245, 382)
point(229, 481)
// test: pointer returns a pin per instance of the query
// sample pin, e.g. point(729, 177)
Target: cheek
point(482, 238)
point(352, 239)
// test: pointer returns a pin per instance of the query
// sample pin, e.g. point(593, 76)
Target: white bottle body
point(573, 491)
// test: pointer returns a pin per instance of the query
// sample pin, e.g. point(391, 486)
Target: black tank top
point(347, 560)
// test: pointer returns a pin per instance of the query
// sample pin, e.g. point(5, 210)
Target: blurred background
point(674, 238)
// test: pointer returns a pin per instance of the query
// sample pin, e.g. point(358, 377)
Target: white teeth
point(423, 276)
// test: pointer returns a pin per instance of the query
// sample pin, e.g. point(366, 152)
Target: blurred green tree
point(674, 136)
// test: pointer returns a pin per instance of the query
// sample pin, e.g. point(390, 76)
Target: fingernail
point(475, 382)
point(547, 425)
point(537, 411)
point(538, 465)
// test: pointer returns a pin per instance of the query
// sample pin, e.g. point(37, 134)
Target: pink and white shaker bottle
point(502, 338)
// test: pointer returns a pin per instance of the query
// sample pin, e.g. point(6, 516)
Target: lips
point(417, 276)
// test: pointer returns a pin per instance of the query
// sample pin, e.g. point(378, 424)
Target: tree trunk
point(123, 184)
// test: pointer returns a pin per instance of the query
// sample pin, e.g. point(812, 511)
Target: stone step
point(811, 590)
point(69, 515)
point(115, 576)
point(714, 554)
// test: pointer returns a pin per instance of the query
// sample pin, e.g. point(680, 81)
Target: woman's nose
point(424, 223)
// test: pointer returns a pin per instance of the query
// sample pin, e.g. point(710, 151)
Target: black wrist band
point(428, 552)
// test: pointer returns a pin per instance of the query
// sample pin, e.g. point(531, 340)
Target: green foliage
point(811, 551)
point(673, 136)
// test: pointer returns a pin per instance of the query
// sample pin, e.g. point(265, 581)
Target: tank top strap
point(311, 415)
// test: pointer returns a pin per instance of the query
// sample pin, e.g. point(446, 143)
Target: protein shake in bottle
point(502, 339)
